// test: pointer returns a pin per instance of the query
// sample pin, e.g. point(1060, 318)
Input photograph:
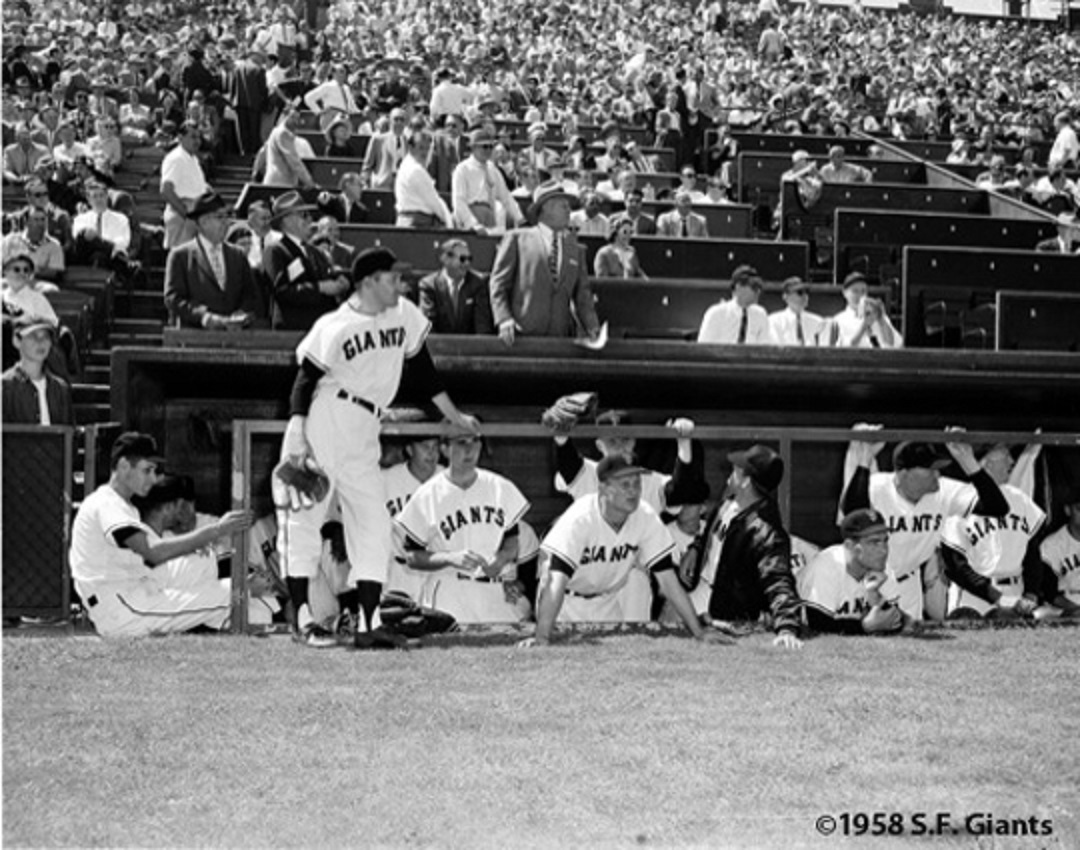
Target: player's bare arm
point(160, 551)
point(668, 581)
point(549, 602)
point(507, 554)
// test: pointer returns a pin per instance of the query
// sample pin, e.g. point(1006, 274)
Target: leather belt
point(905, 577)
point(373, 409)
point(1008, 580)
point(479, 579)
point(570, 592)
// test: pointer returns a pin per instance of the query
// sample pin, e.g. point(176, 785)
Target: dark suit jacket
point(192, 291)
point(471, 315)
point(445, 155)
point(249, 86)
point(522, 287)
point(297, 298)
point(645, 225)
point(336, 207)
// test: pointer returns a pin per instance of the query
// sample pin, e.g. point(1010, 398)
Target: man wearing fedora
point(300, 275)
point(747, 550)
point(208, 283)
point(539, 285)
point(346, 206)
point(480, 199)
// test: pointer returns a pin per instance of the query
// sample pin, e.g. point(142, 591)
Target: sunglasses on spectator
point(465, 258)
point(19, 269)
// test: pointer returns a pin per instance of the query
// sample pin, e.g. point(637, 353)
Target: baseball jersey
point(601, 557)
point(400, 484)
point(586, 483)
point(995, 546)
point(827, 585)
point(95, 556)
point(1061, 552)
point(364, 354)
point(443, 517)
point(915, 529)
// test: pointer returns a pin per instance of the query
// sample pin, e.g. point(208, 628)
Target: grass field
point(610, 740)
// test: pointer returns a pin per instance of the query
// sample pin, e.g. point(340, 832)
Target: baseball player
point(461, 529)
point(593, 548)
point(400, 481)
point(987, 558)
point(577, 477)
point(1060, 553)
point(915, 501)
point(847, 588)
point(350, 367)
point(132, 581)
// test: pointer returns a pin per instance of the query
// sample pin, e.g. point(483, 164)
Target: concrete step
point(98, 374)
point(88, 414)
point(90, 393)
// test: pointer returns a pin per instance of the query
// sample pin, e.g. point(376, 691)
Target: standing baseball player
point(847, 588)
point(461, 529)
point(593, 548)
point(992, 561)
point(1061, 554)
point(915, 501)
point(350, 367)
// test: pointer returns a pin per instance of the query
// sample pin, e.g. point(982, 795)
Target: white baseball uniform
point(125, 597)
point(638, 596)
point(603, 559)
point(443, 517)
point(399, 485)
point(994, 547)
point(827, 585)
point(1061, 552)
point(362, 357)
point(915, 529)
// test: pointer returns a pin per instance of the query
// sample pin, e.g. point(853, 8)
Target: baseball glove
point(401, 615)
point(298, 484)
point(565, 413)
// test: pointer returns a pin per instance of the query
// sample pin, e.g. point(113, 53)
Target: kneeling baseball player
point(591, 550)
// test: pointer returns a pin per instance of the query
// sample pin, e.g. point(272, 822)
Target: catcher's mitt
point(298, 484)
point(565, 413)
point(402, 616)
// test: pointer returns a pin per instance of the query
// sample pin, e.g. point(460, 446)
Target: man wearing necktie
point(455, 298)
point(384, 153)
point(795, 325)
point(539, 285)
point(740, 320)
point(864, 323)
point(209, 283)
point(682, 222)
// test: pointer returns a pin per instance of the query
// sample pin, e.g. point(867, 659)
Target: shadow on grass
point(578, 634)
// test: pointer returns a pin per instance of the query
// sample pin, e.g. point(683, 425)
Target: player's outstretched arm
point(160, 551)
point(668, 580)
point(549, 602)
point(991, 501)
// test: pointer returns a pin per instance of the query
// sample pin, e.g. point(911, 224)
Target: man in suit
point(345, 206)
point(300, 275)
point(643, 224)
point(384, 153)
point(208, 283)
point(446, 153)
point(455, 299)
point(250, 98)
point(1068, 239)
point(284, 167)
point(682, 222)
point(539, 285)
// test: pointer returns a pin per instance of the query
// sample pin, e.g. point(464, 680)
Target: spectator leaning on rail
point(539, 282)
point(456, 299)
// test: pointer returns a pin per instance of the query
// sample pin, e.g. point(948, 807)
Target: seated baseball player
point(461, 528)
point(134, 581)
point(1060, 553)
point(593, 548)
point(847, 589)
point(993, 562)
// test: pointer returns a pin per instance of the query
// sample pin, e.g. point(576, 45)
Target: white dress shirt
point(414, 191)
point(722, 321)
point(331, 95)
point(477, 182)
point(785, 327)
point(848, 324)
point(113, 227)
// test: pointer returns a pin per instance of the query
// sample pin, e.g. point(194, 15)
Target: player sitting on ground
point(461, 528)
point(993, 562)
point(847, 589)
point(593, 547)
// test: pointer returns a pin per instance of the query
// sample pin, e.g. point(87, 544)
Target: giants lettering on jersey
point(489, 514)
point(394, 506)
point(980, 526)
point(920, 522)
point(600, 553)
point(1069, 564)
point(861, 607)
point(386, 338)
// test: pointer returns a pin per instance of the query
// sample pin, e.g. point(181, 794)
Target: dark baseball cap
point(371, 261)
point(862, 523)
point(135, 445)
point(853, 278)
point(764, 466)
point(918, 456)
point(616, 466)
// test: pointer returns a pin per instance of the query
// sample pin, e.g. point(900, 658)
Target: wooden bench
point(957, 282)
